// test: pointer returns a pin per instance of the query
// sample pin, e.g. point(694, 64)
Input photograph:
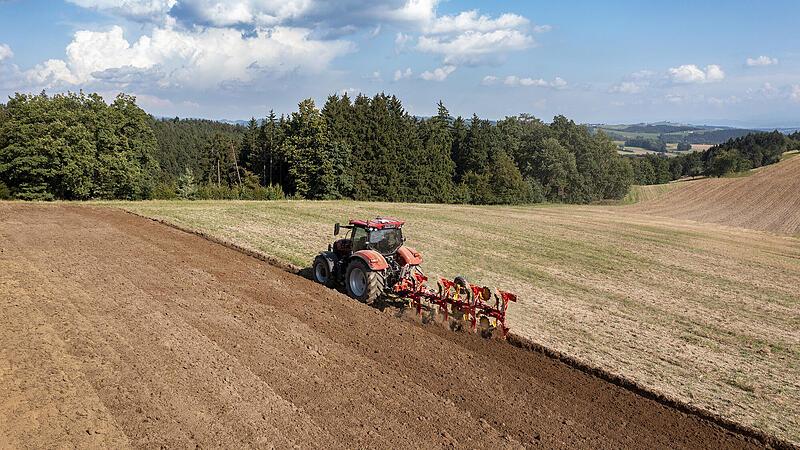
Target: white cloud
point(400, 42)
point(690, 74)
point(374, 76)
point(473, 47)
point(202, 57)
point(415, 11)
point(542, 29)
point(761, 61)
point(629, 87)
point(439, 74)
point(558, 83)
point(399, 75)
point(5, 52)
point(489, 80)
point(131, 9)
point(795, 94)
point(514, 81)
point(471, 21)
point(351, 92)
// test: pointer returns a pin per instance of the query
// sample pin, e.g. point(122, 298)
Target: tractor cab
point(384, 236)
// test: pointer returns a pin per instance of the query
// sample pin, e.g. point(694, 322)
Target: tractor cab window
point(359, 239)
point(386, 241)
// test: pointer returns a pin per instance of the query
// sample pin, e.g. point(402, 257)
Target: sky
point(704, 62)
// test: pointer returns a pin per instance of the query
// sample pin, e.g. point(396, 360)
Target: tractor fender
point(374, 260)
point(330, 257)
point(409, 255)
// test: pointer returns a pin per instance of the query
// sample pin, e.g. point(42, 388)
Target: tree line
point(736, 155)
point(74, 147)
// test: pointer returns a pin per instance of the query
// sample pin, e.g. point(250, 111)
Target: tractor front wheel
point(322, 272)
point(363, 283)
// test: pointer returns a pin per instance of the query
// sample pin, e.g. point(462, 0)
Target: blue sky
point(721, 62)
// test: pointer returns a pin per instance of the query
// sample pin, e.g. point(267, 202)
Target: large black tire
point(363, 283)
point(322, 272)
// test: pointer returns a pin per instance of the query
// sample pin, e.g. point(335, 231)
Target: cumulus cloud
point(795, 94)
point(400, 75)
point(139, 10)
point(439, 74)
point(201, 57)
point(514, 81)
point(205, 43)
point(489, 80)
point(629, 87)
point(691, 74)
point(5, 52)
point(471, 21)
point(400, 42)
point(471, 38)
point(374, 76)
point(473, 47)
point(761, 61)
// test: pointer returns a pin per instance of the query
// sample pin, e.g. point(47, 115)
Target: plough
point(459, 299)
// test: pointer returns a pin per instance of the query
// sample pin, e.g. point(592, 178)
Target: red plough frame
point(473, 303)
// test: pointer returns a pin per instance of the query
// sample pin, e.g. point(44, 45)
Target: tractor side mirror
point(336, 229)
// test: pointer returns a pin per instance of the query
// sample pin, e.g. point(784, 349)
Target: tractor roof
point(378, 223)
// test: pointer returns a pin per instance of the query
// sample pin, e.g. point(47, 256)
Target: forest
point(74, 146)
point(736, 155)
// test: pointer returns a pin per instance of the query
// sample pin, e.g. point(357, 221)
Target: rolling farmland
point(702, 312)
point(655, 299)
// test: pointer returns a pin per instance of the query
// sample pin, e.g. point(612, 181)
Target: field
point(672, 149)
point(766, 199)
point(655, 299)
point(639, 194)
point(693, 294)
point(120, 332)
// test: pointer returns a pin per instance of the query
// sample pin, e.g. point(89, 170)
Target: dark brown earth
point(118, 331)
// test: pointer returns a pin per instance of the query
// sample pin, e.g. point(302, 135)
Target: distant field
point(765, 198)
point(644, 193)
point(705, 313)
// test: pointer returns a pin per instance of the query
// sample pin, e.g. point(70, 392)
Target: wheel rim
point(358, 282)
point(321, 272)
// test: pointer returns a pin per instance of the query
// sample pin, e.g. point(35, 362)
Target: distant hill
point(766, 200)
point(674, 133)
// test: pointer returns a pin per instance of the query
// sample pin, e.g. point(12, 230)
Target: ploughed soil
point(118, 331)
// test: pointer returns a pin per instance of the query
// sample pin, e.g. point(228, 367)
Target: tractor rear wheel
point(363, 283)
point(322, 272)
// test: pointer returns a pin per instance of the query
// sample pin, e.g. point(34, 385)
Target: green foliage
point(737, 155)
point(164, 191)
point(74, 146)
point(187, 187)
point(272, 192)
point(656, 145)
point(684, 146)
point(5, 193)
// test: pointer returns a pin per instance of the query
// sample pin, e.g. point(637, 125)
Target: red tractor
point(371, 261)
point(368, 261)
